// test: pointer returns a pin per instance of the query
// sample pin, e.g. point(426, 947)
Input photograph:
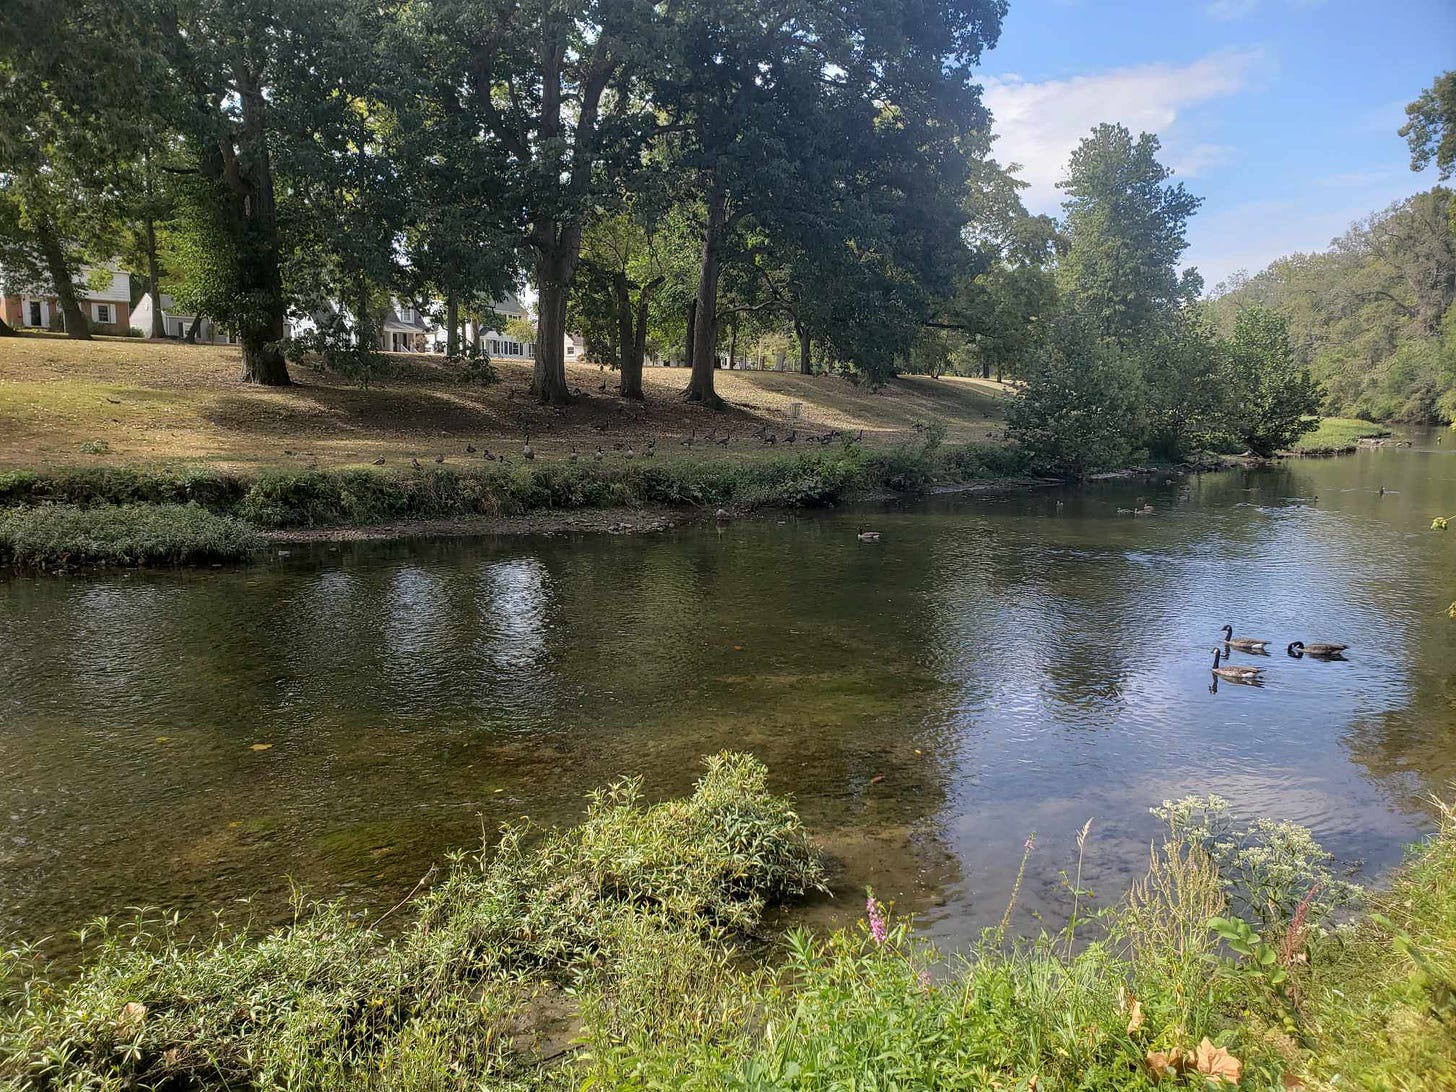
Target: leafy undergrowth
point(330, 1003)
point(1337, 435)
point(1223, 967)
point(58, 535)
point(279, 499)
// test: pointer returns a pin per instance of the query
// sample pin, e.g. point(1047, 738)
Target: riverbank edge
point(129, 516)
point(630, 948)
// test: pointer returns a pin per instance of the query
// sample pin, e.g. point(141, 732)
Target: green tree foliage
point(1080, 411)
point(1371, 316)
point(1272, 399)
point(1431, 130)
point(558, 89)
point(833, 132)
point(71, 117)
point(1126, 231)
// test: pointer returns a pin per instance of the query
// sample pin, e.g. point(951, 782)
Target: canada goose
point(439, 459)
point(526, 450)
point(597, 455)
point(868, 536)
point(1243, 644)
point(573, 456)
point(414, 462)
point(687, 441)
point(1241, 673)
point(727, 436)
point(470, 449)
point(379, 461)
point(1316, 649)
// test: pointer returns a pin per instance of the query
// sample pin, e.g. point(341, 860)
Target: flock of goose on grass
point(1248, 673)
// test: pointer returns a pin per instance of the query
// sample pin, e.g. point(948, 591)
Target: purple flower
point(878, 929)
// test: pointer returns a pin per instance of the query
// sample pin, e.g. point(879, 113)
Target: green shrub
point(329, 1002)
point(57, 535)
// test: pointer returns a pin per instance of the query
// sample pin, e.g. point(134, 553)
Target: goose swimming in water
point(868, 536)
point(1243, 644)
point(1315, 649)
point(1241, 673)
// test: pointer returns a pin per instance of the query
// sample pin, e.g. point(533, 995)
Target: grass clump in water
point(58, 535)
point(331, 1002)
point(1336, 436)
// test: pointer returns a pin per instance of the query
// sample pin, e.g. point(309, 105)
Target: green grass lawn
point(1336, 435)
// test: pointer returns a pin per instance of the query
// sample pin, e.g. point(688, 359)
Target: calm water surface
point(1006, 665)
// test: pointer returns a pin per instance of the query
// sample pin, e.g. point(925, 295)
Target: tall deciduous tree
point(786, 119)
point(72, 114)
point(556, 87)
point(1275, 397)
point(1431, 130)
point(1126, 233)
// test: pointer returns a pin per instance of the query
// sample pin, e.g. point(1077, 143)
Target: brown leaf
point(877, 779)
point(1162, 1064)
point(1291, 1082)
point(1135, 1018)
point(132, 1014)
point(261, 746)
point(1216, 1063)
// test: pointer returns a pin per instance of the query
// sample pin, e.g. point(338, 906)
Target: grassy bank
point(1337, 436)
point(117, 402)
point(56, 535)
point(129, 516)
point(633, 937)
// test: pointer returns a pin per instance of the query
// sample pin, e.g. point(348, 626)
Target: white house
point(499, 346)
point(107, 310)
point(176, 322)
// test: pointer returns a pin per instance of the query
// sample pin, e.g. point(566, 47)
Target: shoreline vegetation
point(1238, 960)
point(127, 516)
point(133, 453)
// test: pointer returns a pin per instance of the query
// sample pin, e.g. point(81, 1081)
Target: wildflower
point(878, 929)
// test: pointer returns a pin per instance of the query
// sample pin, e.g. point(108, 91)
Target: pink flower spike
point(878, 929)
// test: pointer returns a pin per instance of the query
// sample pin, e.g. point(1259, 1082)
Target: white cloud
point(1040, 123)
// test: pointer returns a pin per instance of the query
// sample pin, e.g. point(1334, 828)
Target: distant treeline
point(1372, 317)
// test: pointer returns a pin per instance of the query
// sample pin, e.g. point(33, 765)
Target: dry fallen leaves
point(1216, 1063)
point(1169, 1063)
point(1135, 1018)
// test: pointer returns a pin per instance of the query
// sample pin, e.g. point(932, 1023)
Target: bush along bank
point(287, 499)
point(1221, 968)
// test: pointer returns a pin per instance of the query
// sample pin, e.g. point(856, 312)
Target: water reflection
point(994, 666)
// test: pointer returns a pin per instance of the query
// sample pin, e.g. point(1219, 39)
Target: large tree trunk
point(733, 345)
point(558, 250)
point(806, 365)
point(192, 330)
point(154, 278)
point(630, 369)
point(60, 273)
point(705, 335)
point(452, 325)
point(692, 325)
point(249, 175)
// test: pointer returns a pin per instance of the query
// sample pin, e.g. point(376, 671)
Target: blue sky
point(1281, 114)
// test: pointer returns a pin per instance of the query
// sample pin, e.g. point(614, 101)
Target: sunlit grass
point(1336, 435)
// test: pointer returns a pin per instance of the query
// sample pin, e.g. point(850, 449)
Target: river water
point(993, 667)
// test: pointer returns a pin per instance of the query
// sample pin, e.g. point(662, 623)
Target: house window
point(103, 313)
point(35, 319)
point(181, 329)
point(570, 349)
